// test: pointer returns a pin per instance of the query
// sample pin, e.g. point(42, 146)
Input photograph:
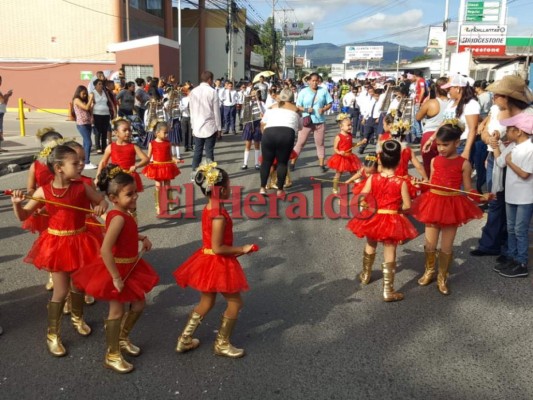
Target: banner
point(483, 40)
point(298, 31)
point(354, 53)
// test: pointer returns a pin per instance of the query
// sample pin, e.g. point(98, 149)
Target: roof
point(143, 42)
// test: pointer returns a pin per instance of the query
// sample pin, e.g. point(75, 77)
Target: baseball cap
point(522, 121)
point(458, 81)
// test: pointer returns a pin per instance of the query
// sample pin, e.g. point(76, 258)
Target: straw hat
point(512, 86)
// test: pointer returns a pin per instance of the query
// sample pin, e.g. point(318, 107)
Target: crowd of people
point(461, 126)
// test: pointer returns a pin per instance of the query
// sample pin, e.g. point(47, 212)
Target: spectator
point(126, 100)
point(204, 107)
point(82, 107)
point(4, 98)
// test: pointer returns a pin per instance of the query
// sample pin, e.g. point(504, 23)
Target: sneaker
point(510, 264)
point(193, 176)
point(502, 259)
point(518, 271)
point(244, 167)
point(90, 166)
point(257, 166)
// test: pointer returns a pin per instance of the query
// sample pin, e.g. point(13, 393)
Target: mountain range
point(322, 54)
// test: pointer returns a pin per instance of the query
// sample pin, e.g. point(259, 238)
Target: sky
point(349, 21)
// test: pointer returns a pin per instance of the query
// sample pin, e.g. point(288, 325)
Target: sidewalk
point(22, 149)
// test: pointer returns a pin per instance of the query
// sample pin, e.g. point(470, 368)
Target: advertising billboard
point(354, 53)
point(483, 40)
point(298, 31)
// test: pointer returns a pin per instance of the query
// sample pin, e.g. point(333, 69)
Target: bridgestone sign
point(483, 40)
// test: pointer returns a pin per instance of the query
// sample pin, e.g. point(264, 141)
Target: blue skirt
point(174, 133)
point(252, 131)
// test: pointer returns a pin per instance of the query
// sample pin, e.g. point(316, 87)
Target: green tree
point(421, 58)
point(267, 48)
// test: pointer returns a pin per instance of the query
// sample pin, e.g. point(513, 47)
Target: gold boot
point(222, 346)
point(67, 308)
point(128, 321)
point(50, 284)
point(76, 315)
point(445, 261)
point(53, 335)
point(368, 261)
point(335, 189)
point(113, 357)
point(273, 179)
point(288, 182)
point(186, 342)
point(429, 273)
point(389, 294)
point(156, 197)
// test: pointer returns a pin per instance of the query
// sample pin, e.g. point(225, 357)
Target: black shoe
point(502, 259)
point(292, 167)
point(519, 271)
point(233, 133)
point(244, 167)
point(480, 253)
point(225, 133)
point(510, 264)
point(323, 168)
point(361, 150)
point(187, 149)
point(257, 167)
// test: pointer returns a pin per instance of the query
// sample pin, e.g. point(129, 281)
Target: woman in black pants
point(279, 124)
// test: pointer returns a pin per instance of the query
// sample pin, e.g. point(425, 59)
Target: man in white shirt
point(349, 102)
point(241, 94)
point(204, 107)
point(370, 117)
point(228, 98)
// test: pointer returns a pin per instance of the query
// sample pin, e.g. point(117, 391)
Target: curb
point(6, 166)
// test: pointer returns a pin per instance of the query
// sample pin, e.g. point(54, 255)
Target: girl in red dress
point(120, 275)
point(444, 210)
point(343, 160)
point(163, 167)
point(370, 167)
point(214, 268)
point(123, 152)
point(388, 122)
point(66, 245)
point(388, 225)
point(39, 175)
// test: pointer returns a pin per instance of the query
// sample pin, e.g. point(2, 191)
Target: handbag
point(307, 121)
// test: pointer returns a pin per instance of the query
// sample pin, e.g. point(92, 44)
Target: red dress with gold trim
point(347, 162)
point(66, 245)
point(402, 170)
point(387, 225)
point(94, 278)
point(208, 272)
point(38, 221)
point(162, 168)
point(124, 156)
point(442, 207)
point(94, 225)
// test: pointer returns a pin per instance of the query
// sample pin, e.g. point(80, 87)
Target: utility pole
point(229, 37)
point(274, 36)
point(445, 29)
point(398, 65)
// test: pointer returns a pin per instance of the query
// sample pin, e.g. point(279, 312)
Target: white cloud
point(387, 23)
point(309, 14)
point(512, 21)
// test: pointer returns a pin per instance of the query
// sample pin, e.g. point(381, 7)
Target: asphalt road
point(310, 330)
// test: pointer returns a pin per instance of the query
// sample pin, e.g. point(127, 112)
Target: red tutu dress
point(348, 162)
point(359, 184)
point(162, 168)
point(208, 272)
point(95, 279)
point(66, 245)
point(38, 221)
point(93, 224)
point(387, 225)
point(441, 207)
point(124, 157)
point(402, 170)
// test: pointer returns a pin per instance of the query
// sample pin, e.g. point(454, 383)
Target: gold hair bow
point(342, 117)
point(456, 123)
point(371, 158)
point(47, 150)
point(211, 173)
point(114, 172)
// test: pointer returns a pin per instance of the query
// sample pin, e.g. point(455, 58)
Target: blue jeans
point(85, 132)
point(494, 234)
point(416, 128)
point(478, 155)
point(518, 218)
point(229, 118)
point(199, 144)
point(490, 169)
